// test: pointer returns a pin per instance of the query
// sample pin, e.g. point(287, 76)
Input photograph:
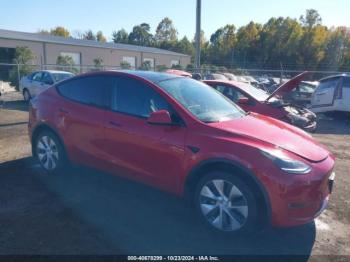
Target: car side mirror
point(161, 117)
point(243, 101)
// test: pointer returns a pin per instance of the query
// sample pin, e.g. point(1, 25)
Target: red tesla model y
point(179, 135)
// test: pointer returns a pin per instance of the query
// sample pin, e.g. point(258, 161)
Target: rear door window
point(91, 90)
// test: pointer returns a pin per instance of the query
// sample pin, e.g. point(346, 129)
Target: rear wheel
point(50, 152)
point(26, 95)
point(226, 204)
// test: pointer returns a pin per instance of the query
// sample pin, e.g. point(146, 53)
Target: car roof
point(54, 72)
point(154, 77)
point(151, 76)
point(232, 83)
point(334, 76)
point(216, 74)
point(178, 72)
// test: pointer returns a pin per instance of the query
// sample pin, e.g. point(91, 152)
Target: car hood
point(276, 133)
point(288, 86)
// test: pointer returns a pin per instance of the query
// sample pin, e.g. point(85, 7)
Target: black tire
point(250, 223)
point(57, 154)
point(26, 95)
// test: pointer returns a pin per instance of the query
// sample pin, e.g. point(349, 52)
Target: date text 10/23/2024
point(173, 258)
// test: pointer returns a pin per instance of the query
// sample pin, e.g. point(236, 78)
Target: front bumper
point(303, 198)
point(311, 127)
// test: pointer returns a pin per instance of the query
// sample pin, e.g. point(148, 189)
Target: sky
point(110, 15)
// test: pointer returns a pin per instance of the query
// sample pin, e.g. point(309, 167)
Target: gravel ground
point(88, 212)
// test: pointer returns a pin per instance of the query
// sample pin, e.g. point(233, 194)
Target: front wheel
point(50, 152)
point(226, 204)
point(26, 95)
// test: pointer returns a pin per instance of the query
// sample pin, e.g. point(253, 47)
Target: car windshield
point(256, 93)
point(306, 88)
point(57, 77)
point(202, 101)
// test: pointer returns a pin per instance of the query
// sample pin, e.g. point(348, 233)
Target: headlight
point(286, 164)
point(297, 120)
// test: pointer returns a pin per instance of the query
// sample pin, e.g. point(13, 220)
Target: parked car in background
point(272, 84)
point(332, 94)
point(256, 100)
point(178, 72)
point(35, 83)
point(263, 80)
point(239, 170)
point(302, 94)
point(197, 76)
point(215, 76)
point(230, 76)
point(251, 80)
point(242, 79)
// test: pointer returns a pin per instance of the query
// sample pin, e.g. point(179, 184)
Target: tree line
point(281, 43)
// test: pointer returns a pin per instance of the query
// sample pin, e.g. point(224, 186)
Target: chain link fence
point(10, 74)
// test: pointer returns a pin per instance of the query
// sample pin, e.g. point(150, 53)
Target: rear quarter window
point(93, 90)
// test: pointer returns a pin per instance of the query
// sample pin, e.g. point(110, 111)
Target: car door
point(324, 94)
point(81, 117)
point(45, 83)
point(346, 93)
point(139, 150)
point(26, 81)
point(35, 84)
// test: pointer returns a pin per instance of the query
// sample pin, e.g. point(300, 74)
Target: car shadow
point(19, 105)
point(336, 123)
point(13, 124)
point(137, 219)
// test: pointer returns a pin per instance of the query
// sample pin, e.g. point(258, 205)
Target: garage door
point(150, 61)
point(74, 56)
point(131, 60)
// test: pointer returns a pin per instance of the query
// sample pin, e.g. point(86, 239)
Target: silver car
point(37, 82)
point(332, 94)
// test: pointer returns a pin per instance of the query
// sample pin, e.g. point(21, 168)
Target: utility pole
point(281, 78)
point(198, 36)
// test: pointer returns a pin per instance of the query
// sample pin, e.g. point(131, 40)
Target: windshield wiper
point(210, 121)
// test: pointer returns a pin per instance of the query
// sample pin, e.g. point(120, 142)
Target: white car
point(230, 76)
point(332, 94)
point(251, 80)
point(215, 76)
point(35, 83)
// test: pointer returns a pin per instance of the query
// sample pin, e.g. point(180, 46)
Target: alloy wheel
point(26, 95)
point(223, 205)
point(47, 153)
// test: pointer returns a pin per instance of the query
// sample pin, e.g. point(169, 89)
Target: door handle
point(115, 124)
